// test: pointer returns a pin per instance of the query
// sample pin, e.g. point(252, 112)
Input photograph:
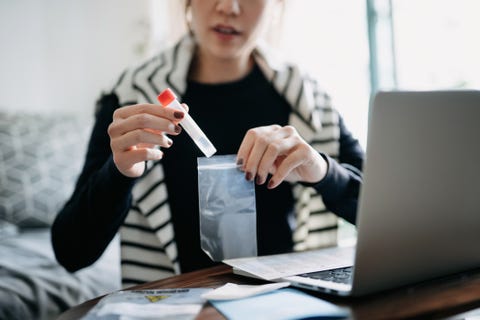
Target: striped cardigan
point(148, 249)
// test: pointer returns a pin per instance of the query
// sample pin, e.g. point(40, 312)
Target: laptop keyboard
point(340, 275)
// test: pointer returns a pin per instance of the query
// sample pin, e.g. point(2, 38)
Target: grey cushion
point(41, 156)
point(34, 286)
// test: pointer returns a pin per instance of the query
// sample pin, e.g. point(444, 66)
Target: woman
point(248, 104)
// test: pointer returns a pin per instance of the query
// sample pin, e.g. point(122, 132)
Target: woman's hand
point(281, 152)
point(137, 131)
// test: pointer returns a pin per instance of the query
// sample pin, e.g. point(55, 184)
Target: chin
point(226, 53)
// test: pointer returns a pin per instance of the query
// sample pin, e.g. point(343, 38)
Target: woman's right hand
point(136, 132)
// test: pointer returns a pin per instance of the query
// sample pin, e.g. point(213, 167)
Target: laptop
point(419, 207)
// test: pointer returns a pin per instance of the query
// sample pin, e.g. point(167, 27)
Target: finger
point(245, 147)
point(172, 130)
point(145, 154)
point(275, 150)
point(146, 108)
point(146, 145)
point(185, 106)
point(134, 156)
point(138, 137)
point(257, 144)
point(154, 146)
point(146, 121)
point(263, 137)
point(249, 141)
point(292, 161)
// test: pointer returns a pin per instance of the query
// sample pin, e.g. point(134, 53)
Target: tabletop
point(451, 297)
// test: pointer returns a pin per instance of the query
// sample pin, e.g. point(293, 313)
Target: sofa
point(41, 156)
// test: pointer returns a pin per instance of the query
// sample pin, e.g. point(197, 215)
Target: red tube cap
point(166, 96)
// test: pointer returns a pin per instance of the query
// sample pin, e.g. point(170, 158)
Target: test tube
point(168, 98)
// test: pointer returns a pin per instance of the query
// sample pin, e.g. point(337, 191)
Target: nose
point(229, 7)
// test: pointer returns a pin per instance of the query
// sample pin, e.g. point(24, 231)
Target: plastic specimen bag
point(228, 226)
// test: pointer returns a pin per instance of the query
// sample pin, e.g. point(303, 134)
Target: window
point(436, 43)
point(430, 44)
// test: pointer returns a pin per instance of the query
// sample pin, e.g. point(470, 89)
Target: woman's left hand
point(281, 152)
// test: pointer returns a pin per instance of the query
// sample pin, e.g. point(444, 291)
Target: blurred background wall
point(58, 55)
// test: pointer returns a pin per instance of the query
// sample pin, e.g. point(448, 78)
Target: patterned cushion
point(40, 159)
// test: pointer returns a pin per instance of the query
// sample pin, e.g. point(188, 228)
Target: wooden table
point(454, 297)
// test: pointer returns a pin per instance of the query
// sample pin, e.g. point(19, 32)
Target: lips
point(226, 30)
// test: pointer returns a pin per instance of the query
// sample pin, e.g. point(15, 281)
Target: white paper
point(134, 311)
point(179, 303)
point(238, 291)
point(284, 265)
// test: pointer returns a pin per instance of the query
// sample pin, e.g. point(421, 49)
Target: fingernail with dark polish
point(271, 183)
point(178, 129)
point(259, 180)
point(248, 176)
point(178, 114)
point(239, 162)
point(169, 142)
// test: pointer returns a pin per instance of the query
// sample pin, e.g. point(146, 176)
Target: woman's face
point(229, 29)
